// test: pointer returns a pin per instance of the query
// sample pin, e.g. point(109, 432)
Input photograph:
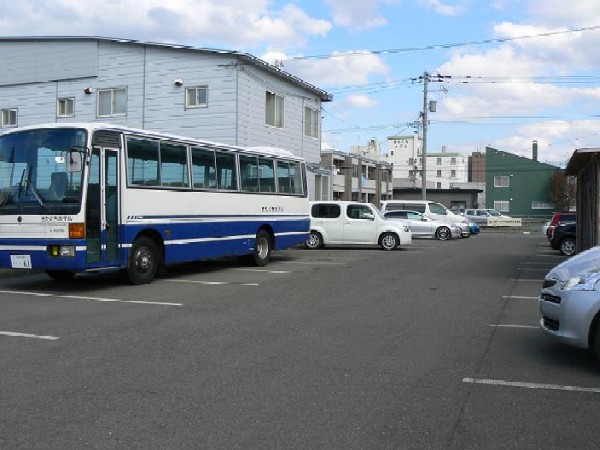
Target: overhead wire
point(443, 46)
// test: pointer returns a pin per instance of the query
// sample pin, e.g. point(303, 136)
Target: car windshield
point(35, 172)
point(436, 208)
point(494, 213)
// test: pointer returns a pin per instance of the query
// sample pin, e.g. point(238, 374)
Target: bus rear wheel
point(143, 261)
point(262, 249)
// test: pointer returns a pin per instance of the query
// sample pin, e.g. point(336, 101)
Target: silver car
point(422, 226)
point(569, 302)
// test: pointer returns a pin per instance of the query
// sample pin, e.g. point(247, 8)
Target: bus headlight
point(61, 251)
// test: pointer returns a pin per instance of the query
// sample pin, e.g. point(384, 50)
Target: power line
point(443, 46)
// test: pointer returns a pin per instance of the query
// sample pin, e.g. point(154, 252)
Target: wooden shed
point(585, 165)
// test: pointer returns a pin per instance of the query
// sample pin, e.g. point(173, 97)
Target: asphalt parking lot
point(431, 346)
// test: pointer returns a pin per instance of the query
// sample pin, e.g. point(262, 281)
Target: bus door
point(102, 208)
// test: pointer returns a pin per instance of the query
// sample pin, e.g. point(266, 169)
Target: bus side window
point(226, 171)
point(249, 173)
point(203, 168)
point(266, 170)
point(283, 177)
point(296, 178)
point(142, 162)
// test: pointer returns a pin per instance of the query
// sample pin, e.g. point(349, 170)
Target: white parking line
point(526, 280)
point(264, 270)
point(514, 326)
point(27, 335)
point(212, 283)
point(99, 299)
point(520, 296)
point(319, 263)
point(555, 387)
point(95, 299)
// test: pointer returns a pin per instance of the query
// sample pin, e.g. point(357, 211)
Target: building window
point(9, 118)
point(311, 122)
point(112, 102)
point(453, 161)
point(439, 161)
point(65, 107)
point(541, 205)
point(453, 173)
point(439, 173)
point(439, 185)
point(274, 110)
point(196, 97)
point(502, 205)
point(501, 182)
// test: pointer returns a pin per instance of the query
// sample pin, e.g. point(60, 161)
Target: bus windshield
point(37, 174)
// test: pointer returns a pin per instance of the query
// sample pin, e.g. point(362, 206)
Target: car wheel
point(595, 340)
point(567, 246)
point(314, 241)
point(442, 233)
point(388, 241)
point(262, 250)
point(143, 261)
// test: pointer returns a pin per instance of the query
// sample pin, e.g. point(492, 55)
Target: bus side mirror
point(74, 161)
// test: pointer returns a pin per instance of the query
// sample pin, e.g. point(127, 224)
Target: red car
point(558, 218)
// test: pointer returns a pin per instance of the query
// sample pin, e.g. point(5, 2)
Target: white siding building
point(216, 95)
point(444, 170)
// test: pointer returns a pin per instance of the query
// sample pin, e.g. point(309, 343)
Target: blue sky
point(545, 87)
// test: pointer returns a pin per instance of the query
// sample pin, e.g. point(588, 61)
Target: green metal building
point(518, 186)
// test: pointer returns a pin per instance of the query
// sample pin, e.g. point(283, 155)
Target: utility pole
point(424, 149)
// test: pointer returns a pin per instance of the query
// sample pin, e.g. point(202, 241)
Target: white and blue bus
point(97, 197)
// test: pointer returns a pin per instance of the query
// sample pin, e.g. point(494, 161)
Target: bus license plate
point(20, 261)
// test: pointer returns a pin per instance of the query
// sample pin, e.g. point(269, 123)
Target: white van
point(433, 210)
point(343, 223)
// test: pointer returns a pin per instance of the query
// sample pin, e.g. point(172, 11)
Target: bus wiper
point(38, 197)
point(26, 183)
point(36, 194)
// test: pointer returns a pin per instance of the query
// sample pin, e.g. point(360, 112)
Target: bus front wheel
point(262, 249)
point(143, 261)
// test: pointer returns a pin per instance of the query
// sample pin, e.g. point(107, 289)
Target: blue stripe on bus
point(184, 242)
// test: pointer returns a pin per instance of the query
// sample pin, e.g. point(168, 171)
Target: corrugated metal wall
point(588, 197)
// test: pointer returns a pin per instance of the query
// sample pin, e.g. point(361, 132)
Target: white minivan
point(433, 210)
point(354, 223)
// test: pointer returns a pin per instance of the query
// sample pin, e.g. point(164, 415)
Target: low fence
point(530, 224)
point(504, 222)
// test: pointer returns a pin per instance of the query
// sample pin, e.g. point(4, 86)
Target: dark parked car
point(563, 238)
point(558, 218)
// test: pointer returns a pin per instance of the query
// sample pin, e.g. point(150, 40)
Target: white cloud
point(358, 14)
point(341, 69)
point(559, 13)
point(446, 9)
point(248, 23)
point(523, 77)
point(360, 101)
point(556, 139)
